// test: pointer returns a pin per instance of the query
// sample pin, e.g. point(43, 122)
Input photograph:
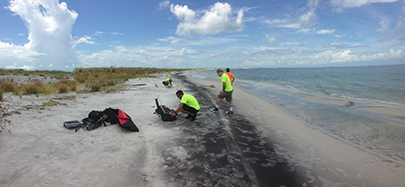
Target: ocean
point(380, 87)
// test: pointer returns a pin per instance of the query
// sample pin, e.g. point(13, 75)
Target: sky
point(64, 35)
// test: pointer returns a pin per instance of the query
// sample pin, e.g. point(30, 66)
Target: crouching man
point(188, 105)
point(167, 82)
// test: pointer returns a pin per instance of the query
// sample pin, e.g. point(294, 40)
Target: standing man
point(188, 105)
point(230, 75)
point(226, 91)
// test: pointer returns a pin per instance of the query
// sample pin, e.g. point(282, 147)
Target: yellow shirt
point(190, 101)
point(225, 78)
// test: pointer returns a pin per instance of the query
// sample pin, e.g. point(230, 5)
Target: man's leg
point(186, 112)
point(192, 113)
point(229, 98)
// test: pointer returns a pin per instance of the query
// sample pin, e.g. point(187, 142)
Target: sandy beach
point(259, 145)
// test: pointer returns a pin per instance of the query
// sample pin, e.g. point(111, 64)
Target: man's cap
point(219, 70)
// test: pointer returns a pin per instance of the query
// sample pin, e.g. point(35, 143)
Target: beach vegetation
point(1, 94)
point(49, 103)
point(34, 88)
point(81, 79)
point(7, 85)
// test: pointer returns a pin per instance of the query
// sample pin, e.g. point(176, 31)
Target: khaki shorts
point(226, 95)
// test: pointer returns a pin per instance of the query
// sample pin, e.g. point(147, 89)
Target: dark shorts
point(226, 95)
point(190, 109)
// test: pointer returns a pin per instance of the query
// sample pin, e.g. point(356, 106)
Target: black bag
point(95, 120)
point(72, 124)
point(117, 116)
point(164, 112)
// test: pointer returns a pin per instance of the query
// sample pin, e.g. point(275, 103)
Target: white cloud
point(347, 56)
point(214, 21)
point(271, 40)
point(202, 41)
point(325, 31)
point(13, 56)
point(49, 25)
point(388, 34)
point(344, 56)
point(9, 50)
point(182, 51)
point(170, 39)
point(85, 39)
point(163, 5)
point(15, 66)
point(291, 26)
point(308, 17)
point(273, 22)
point(257, 62)
point(384, 27)
point(357, 3)
point(305, 19)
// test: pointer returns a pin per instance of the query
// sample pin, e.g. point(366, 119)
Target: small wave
point(367, 100)
point(294, 88)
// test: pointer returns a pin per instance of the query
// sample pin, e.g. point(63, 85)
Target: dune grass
point(87, 79)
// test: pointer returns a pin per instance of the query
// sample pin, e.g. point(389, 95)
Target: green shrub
point(63, 88)
point(110, 83)
point(30, 89)
point(81, 78)
point(73, 88)
point(7, 86)
point(95, 87)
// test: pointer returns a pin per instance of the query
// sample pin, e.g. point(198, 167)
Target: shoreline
point(216, 149)
point(348, 162)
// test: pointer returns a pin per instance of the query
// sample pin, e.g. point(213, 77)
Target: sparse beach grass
point(81, 79)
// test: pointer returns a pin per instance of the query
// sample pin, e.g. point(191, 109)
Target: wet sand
point(259, 145)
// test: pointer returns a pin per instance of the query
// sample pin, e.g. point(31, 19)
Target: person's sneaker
point(193, 117)
point(214, 109)
point(229, 112)
point(188, 117)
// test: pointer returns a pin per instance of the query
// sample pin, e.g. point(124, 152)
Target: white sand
point(36, 150)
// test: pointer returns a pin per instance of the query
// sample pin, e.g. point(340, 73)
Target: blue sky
point(63, 35)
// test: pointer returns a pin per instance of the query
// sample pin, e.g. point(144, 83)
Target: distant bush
point(30, 89)
point(95, 87)
point(81, 78)
point(7, 85)
point(1, 95)
point(110, 83)
point(65, 85)
point(72, 88)
point(63, 88)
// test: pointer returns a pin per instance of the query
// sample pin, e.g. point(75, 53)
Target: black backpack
point(94, 120)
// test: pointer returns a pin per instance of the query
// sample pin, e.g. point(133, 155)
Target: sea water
point(369, 86)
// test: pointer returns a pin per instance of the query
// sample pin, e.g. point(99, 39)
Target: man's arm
point(223, 86)
point(177, 110)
